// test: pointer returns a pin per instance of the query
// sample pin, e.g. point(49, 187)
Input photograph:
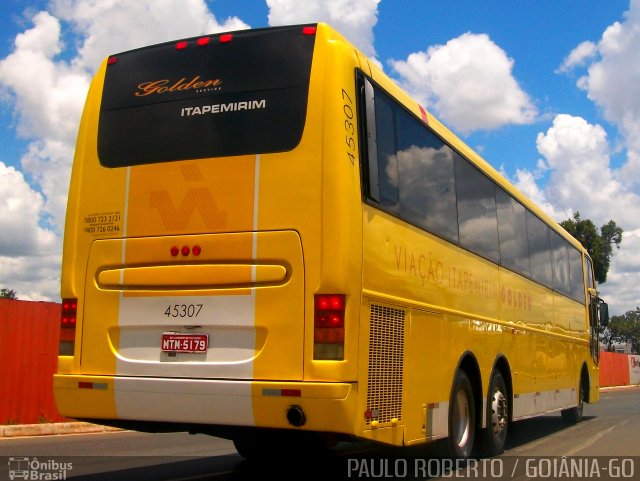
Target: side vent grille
point(386, 357)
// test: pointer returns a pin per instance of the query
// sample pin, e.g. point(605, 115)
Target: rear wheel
point(495, 435)
point(272, 445)
point(462, 420)
point(250, 447)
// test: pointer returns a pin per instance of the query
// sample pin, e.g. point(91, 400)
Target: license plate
point(172, 342)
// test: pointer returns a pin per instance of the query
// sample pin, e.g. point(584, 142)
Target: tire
point(249, 448)
point(272, 446)
point(495, 434)
point(462, 418)
point(574, 415)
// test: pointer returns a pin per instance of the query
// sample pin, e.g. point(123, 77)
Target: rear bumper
point(329, 407)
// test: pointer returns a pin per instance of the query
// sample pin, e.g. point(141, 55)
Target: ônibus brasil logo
point(35, 469)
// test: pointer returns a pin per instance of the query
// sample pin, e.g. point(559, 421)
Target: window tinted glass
point(424, 181)
point(387, 158)
point(415, 170)
point(243, 97)
point(425, 169)
point(512, 228)
point(590, 282)
point(477, 219)
point(575, 274)
point(560, 258)
point(539, 250)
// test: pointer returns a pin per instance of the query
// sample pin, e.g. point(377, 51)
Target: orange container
point(29, 336)
point(614, 369)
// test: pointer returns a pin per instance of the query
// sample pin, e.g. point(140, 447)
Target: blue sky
point(545, 90)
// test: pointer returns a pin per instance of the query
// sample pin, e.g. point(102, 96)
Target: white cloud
point(612, 81)
point(468, 82)
point(33, 278)
point(354, 19)
point(527, 182)
point(578, 152)
point(580, 178)
point(579, 56)
point(45, 80)
point(620, 290)
point(21, 209)
point(49, 114)
point(107, 27)
point(29, 253)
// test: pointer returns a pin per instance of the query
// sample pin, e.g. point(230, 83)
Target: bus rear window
point(222, 95)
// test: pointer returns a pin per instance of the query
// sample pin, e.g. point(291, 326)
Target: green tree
point(606, 337)
point(626, 329)
point(7, 293)
point(598, 242)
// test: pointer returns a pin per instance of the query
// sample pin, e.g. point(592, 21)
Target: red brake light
point(309, 30)
point(185, 250)
point(175, 250)
point(68, 314)
point(226, 38)
point(329, 332)
point(111, 60)
point(181, 45)
point(196, 250)
point(203, 41)
point(327, 302)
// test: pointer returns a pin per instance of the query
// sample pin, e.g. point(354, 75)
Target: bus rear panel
point(209, 251)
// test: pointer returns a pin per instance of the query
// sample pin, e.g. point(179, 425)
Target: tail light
point(68, 316)
point(309, 30)
point(328, 327)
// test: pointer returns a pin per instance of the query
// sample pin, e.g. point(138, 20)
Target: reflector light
point(292, 392)
point(203, 41)
point(309, 30)
point(111, 60)
point(226, 38)
point(185, 250)
point(181, 45)
point(282, 392)
point(92, 385)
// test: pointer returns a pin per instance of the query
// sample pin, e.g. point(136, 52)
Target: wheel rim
point(499, 413)
point(461, 422)
point(580, 406)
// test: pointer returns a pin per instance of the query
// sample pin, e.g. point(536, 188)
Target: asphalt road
point(610, 429)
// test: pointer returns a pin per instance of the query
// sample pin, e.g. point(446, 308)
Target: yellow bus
point(267, 240)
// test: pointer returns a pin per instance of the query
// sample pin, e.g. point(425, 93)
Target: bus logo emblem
point(196, 199)
point(162, 86)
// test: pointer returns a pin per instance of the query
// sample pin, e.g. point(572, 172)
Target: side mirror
point(603, 313)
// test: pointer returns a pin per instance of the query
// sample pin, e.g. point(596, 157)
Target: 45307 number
point(183, 310)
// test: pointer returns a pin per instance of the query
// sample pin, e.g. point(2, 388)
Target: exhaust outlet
point(296, 416)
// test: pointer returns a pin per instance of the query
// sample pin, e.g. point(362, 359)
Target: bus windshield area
point(221, 95)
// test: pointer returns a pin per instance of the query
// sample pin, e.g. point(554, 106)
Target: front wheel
point(495, 435)
point(574, 415)
point(462, 419)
